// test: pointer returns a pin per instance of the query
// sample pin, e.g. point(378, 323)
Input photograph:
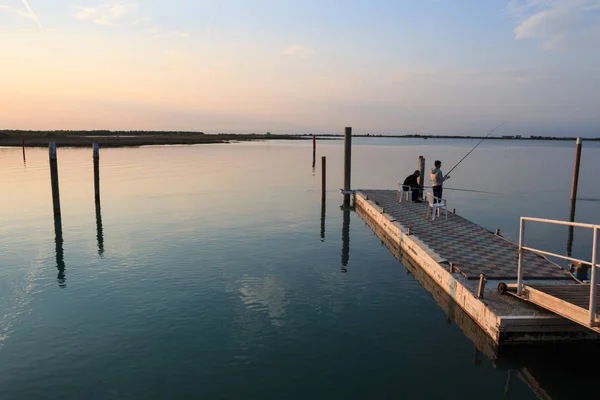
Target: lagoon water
point(207, 275)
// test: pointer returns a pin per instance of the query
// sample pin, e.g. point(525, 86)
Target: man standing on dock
point(413, 182)
point(437, 180)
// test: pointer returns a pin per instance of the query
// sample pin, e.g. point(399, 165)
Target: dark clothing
point(437, 193)
point(413, 182)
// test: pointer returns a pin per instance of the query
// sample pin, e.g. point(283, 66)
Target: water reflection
point(99, 234)
point(60, 260)
point(570, 228)
point(345, 238)
point(323, 203)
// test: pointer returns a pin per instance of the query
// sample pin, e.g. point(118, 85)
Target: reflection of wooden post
point(54, 177)
point(345, 239)
point(323, 194)
point(60, 259)
point(96, 172)
point(99, 234)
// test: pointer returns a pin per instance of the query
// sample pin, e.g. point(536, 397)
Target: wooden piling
point(347, 164)
point(54, 177)
point(576, 169)
point(421, 167)
point(23, 147)
point(574, 184)
point(323, 176)
point(96, 156)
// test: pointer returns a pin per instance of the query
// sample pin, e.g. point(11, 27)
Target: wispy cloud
point(298, 50)
point(111, 13)
point(162, 32)
point(27, 13)
point(33, 15)
point(557, 24)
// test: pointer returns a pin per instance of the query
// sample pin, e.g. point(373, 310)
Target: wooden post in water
point(574, 184)
point(347, 164)
point(96, 150)
point(314, 153)
point(421, 168)
point(323, 194)
point(54, 177)
point(23, 147)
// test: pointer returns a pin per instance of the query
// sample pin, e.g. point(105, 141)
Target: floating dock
point(468, 263)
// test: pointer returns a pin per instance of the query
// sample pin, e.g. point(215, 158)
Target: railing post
point(520, 262)
point(593, 278)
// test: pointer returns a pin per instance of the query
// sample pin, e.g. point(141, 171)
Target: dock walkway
point(471, 248)
point(435, 245)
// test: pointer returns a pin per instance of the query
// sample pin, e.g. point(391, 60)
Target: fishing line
point(486, 136)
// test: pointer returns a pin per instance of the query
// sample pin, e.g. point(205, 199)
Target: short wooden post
point(454, 211)
point(54, 177)
point(96, 150)
point(497, 232)
point(481, 287)
point(347, 164)
point(451, 268)
point(421, 167)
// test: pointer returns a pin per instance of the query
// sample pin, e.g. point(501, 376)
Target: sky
point(302, 66)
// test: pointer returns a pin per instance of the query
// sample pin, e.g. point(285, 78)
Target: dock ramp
point(574, 301)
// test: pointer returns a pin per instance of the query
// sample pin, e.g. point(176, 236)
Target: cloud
point(111, 13)
point(162, 32)
point(33, 15)
point(298, 50)
point(27, 13)
point(557, 24)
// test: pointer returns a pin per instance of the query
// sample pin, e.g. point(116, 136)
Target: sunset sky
point(393, 66)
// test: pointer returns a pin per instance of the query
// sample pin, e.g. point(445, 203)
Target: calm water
point(206, 274)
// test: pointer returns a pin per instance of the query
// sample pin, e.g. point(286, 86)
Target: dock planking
point(472, 249)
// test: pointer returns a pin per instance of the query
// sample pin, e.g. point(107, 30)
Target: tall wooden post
point(421, 167)
point(54, 177)
point(576, 169)
point(574, 184)
point(347, 164)
point(96, 150)
point(23, 147)
point(323, 194)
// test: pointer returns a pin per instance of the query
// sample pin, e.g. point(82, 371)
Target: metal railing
point(591, 263)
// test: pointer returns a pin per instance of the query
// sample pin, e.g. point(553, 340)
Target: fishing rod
point(486, 136)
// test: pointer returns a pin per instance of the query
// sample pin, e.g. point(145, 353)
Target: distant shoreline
point(17, 138)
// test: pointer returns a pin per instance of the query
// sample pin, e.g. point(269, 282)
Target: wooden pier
point(468, 263)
